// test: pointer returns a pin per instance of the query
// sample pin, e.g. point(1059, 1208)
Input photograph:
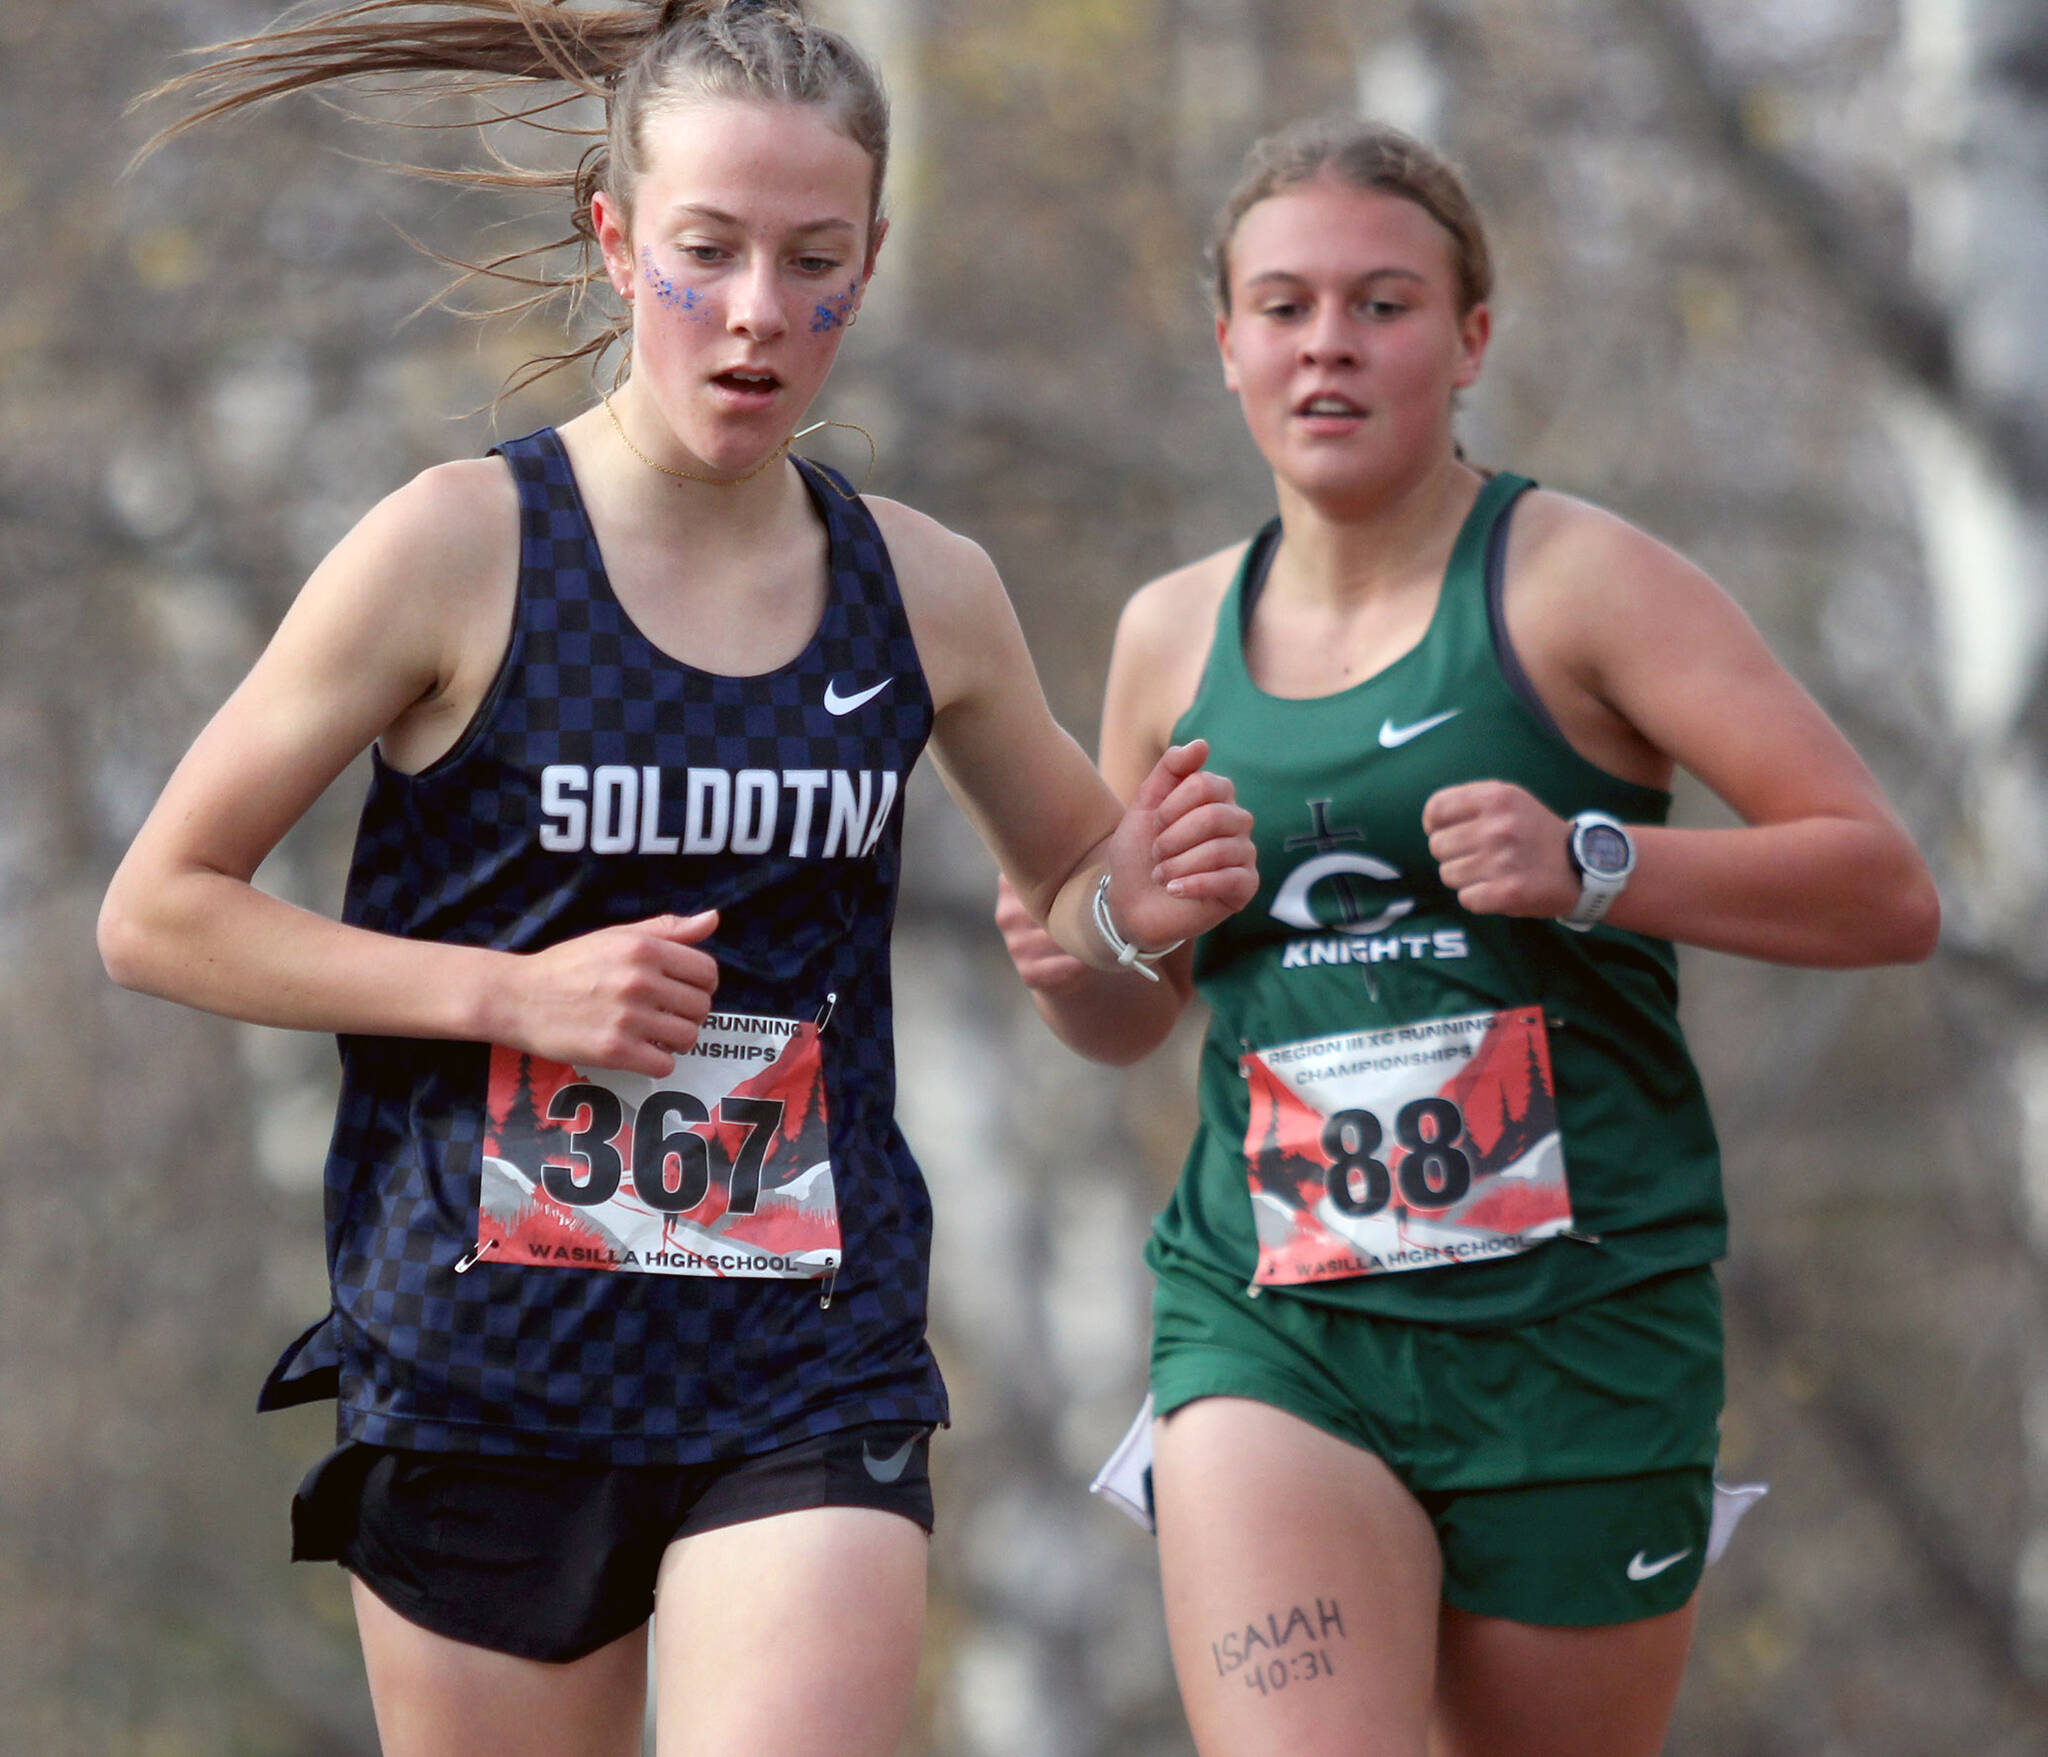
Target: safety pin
point(469, 1258)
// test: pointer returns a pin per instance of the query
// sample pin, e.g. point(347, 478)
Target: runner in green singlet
point(1436, 1359)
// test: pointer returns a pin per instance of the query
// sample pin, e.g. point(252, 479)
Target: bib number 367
point(721, 1167)
point(1423, 1146)
point(671, 1159)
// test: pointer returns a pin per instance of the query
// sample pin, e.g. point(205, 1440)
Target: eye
point(817, 265)
point(1281, 309)
point(705, 253)
point(1382, 309)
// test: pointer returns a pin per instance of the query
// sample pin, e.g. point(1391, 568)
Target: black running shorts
point(550, 1560)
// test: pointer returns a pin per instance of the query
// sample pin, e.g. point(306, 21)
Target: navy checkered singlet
point(602, 782)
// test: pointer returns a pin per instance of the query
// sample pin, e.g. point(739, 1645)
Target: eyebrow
point(718, 216)
point(1283, 274)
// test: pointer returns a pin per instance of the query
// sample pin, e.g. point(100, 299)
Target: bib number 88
point(1436, 1173)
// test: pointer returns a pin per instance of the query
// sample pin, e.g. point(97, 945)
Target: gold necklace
point(619, 427)
point(734, 481)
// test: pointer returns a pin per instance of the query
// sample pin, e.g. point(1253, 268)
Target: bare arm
point(1178, 856)
point(1646, 659)
point(394, 636)
point(1152, 674)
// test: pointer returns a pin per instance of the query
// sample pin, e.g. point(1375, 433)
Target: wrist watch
point(1603, 854)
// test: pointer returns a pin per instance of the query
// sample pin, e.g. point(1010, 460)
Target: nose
point(755, 305)
point(1330, 338)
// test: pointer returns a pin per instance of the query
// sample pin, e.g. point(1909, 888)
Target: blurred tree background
point(1771, 277)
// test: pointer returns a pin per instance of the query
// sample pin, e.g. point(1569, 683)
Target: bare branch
point(1912, 329)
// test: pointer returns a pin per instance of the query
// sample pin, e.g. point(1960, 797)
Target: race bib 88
point(1418, 1147)
point(722, 1167)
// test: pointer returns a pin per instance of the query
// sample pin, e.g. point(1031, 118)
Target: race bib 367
point(722, 1167)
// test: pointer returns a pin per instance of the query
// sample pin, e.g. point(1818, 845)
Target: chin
point(1364, 476)
point(1335, 478)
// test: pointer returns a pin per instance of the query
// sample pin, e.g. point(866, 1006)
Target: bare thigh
point(437, 1697)
point(1515, 1690)
point(792, 1636)
point(1302, 1585)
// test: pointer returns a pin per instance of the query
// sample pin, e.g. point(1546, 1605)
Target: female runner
point(1436, 1357)
point(628, 1256)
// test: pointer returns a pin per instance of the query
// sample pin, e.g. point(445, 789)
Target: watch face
point(1603, 851)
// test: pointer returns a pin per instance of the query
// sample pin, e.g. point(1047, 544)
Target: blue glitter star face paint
point(833, 313)
point(675, 298)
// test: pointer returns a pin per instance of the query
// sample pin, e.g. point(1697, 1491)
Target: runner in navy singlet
point(628, 1256)
point(1436, 1347)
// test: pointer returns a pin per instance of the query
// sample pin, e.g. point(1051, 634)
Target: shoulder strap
point(861, 569)
point(537, 460)
point(1252, 572)
point(847, 517)
point(550, 514)
point(1496, 567)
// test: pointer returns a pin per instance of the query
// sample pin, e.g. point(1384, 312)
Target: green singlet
point(1406, 1108)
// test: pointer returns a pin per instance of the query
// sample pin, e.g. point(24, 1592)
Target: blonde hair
point(1367, 155)
point(531, 58)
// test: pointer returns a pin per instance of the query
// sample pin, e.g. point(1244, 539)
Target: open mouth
point(1328, 403)
point(747, 382)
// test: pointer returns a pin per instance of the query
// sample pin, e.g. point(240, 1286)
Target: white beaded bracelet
point(1128, 956)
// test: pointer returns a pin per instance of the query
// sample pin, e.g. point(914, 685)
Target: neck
point(626, 445)
point(626, 496)
point(1351, 550)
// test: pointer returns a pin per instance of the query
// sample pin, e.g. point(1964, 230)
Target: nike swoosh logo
point(1392, 737)
point(1641, 1568)
point(835, 703)
point(890, 1468)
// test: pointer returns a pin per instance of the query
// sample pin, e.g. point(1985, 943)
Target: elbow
point(1894, 909)
point(124, 942)
point(1916, 922)
point(1899, 923)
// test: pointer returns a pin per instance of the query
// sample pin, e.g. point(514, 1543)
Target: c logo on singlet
point(1294, 902)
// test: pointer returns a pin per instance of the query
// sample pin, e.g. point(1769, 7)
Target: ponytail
point(529, 59)
point(490, 45)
